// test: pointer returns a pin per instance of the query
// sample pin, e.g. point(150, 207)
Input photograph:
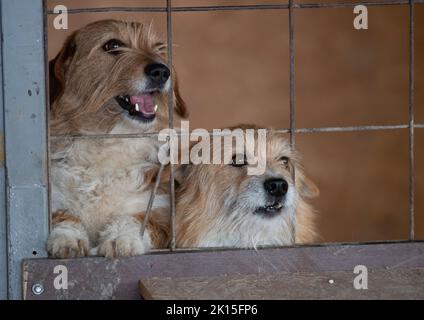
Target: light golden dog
point(110, 78)
point(223, 206)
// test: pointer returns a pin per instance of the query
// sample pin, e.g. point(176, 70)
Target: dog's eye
point(160, 46)
point(239, 160)
point(285, 161)
point(112, 46)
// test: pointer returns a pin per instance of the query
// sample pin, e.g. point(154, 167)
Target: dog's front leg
point(122, 237)
point(68, 238)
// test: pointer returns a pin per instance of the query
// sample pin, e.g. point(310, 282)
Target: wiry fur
point(216, 204)
point(104, 184)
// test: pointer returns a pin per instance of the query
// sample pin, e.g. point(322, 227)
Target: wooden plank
point(382, 284)
point(99, 278)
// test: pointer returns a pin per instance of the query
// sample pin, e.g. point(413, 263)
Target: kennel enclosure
point(24, 205)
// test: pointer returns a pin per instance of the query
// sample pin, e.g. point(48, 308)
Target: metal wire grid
point(241, 7)
point(292, 130)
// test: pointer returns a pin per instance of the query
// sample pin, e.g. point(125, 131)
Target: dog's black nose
point(276, 187)
point(158, 73)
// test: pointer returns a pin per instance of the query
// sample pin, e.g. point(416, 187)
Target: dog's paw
point(67, 243)
point(122, 246)
point(122, 238)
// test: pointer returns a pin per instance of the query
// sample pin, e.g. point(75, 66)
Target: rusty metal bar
point(411, 123)
point(292, 94)
point(268, 247)
point(352, 4)
point(171, 121)
point(353, 128)
point(285, 130)
point(112, 9)
point(231, 8)
point(104, 136)
point(291, 84)
point(47, 93)
point(151, 200)
point(238, 7)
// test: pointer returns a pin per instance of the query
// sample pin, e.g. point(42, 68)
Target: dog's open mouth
point(142, 106)
point(270, 210)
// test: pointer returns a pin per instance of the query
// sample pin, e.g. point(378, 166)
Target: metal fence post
point(3, 238)
point(25, 135)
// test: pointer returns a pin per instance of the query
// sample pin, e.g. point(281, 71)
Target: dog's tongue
point(145, 104)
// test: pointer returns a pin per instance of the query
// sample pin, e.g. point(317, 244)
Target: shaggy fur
point(217, 204)
point(100, 187)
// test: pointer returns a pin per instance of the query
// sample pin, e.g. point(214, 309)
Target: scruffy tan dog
point(223, 206)
point(109, 78)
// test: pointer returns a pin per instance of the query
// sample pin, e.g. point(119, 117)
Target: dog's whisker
point(150, 28)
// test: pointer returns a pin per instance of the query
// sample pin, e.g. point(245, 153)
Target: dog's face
point(233, 208)
point(113, 76)
point(266, 196)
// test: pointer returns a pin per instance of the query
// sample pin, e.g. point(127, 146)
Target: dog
point(223, 206)
point(109, 78)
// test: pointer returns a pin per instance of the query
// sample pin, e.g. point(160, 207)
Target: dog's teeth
point(137, 108)
point(156, 108)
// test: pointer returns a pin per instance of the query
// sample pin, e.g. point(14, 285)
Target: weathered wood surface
point(382, 284)
point(99, 278)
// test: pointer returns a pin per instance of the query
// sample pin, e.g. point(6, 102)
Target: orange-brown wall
point(233, 68)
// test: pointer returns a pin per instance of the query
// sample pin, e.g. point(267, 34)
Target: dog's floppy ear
point(180, 106)
point(58, 67)
point(308, 188)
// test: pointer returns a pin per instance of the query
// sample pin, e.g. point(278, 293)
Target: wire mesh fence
point(291, 7)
